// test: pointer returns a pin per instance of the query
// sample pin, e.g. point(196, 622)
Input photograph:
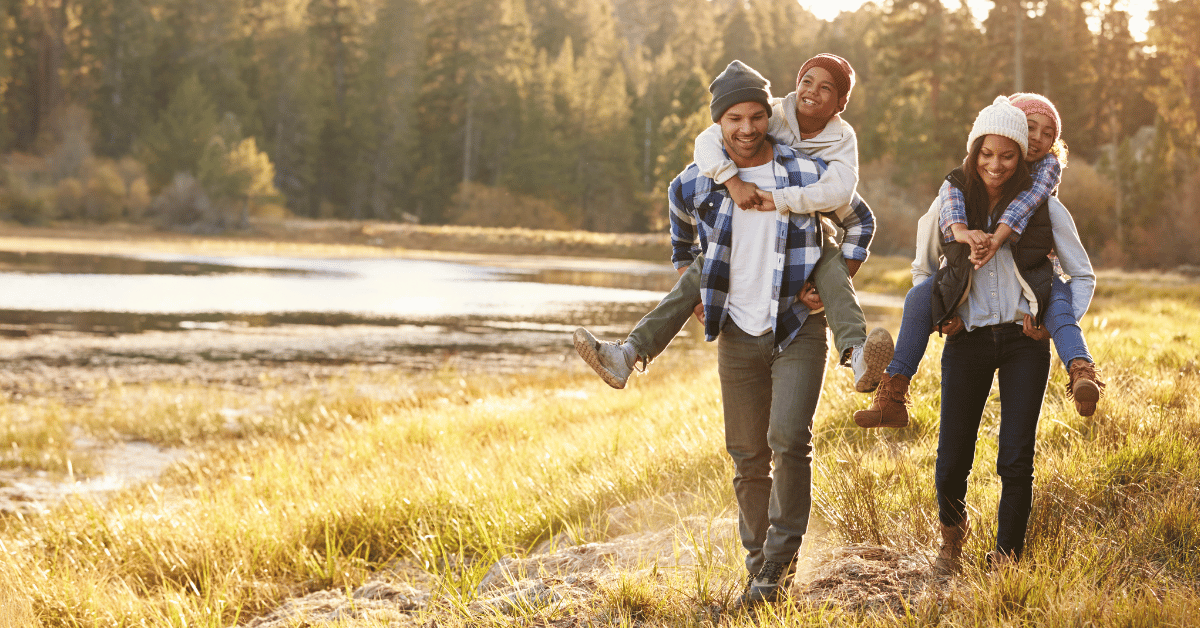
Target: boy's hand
point(742, 193)
point(766, 200)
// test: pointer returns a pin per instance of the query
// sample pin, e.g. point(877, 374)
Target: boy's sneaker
point(870, 358)
point(607, 358)
point(768, 586)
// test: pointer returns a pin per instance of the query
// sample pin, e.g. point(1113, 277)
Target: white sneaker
point(869, 359)
point(607, 358)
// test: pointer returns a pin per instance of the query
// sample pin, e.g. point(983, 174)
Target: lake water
point(177, 291)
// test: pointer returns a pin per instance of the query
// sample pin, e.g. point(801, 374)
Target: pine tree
point(177, 140)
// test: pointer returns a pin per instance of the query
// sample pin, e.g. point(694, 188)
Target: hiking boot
point(609, 359)
point(1084, 387)
point(889, 408)
point(997, 560)
point(768, 586)
point(949, 558)
point(870, 358)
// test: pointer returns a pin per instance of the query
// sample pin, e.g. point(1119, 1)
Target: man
point(756, 301)
point(808, 120)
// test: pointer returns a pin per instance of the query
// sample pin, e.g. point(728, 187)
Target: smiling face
point(816, 95)
point(1041, 135)
point(744, 132)
point(997, 161)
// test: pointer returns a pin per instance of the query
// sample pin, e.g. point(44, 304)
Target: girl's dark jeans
point(969, 362)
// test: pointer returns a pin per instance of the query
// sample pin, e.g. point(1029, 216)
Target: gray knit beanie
point(1004, 119)
point(739, 83)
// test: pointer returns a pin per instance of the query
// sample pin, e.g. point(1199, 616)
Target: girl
point(1047, 153)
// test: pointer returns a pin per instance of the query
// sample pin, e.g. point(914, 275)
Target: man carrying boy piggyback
point(807, 120)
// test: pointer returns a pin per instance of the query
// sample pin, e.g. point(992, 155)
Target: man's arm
point(858, 229)
point(683, 226)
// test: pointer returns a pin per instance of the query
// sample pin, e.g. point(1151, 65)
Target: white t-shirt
point(752, 258)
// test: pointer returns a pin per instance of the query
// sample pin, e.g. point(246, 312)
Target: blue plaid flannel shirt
point(702, 211)
point(1047, 172)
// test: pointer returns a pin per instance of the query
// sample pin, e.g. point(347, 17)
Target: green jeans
point(831, 276)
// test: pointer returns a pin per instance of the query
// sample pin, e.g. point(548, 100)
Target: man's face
point(816, 94)
point(744, 130)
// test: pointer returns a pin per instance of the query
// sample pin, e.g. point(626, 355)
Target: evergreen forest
point(564, 114)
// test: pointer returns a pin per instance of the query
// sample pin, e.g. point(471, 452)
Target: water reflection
point(111, 294)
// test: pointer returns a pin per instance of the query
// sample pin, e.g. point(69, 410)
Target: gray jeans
point(769, 400)
point(658, 328)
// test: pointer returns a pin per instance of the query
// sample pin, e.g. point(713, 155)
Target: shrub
point(138, 201)
point(486, 206)
point(183, 203)
point(105, 200)
point(69, 198)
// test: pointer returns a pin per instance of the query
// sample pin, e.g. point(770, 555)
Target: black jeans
point(969, 362)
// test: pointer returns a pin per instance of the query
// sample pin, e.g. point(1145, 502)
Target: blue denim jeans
point(969, 362)
point(769, 399)
point(1064, 329)
point(916, 323)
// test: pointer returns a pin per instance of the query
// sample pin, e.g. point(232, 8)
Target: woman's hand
point(952, 326)
point(1032, 330)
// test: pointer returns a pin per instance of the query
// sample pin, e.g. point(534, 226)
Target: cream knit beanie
point(1003, 119)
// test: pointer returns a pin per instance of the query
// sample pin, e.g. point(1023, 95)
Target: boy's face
point(816, 95)
point(744, 131)
point(1041, 135)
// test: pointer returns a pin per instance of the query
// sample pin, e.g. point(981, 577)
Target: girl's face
point(997, 161)
point(1041, 135)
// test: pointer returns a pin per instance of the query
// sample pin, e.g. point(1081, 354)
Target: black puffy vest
point(1030, 254)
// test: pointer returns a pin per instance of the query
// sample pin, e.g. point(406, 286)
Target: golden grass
point(318, 487)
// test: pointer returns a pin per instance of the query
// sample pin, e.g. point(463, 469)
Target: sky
point(828, 9)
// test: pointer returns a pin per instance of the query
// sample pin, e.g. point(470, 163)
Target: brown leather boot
point(890, 406)
point(1084, 387)
point(949, 558)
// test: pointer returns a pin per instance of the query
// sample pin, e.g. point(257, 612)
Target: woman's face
point(997, 161)
point(1041, 135)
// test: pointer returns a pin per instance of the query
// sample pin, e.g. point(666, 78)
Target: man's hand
point(1032, 330)
point(766, 200)
point(742, 193)
point(853, 265)
point(809, 296)
point(952, 326)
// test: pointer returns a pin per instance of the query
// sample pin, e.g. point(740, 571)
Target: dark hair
point(976, 195)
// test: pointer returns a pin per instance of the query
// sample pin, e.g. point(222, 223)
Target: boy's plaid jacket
point(701, 221)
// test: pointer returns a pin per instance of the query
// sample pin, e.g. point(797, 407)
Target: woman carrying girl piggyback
point(926, 308)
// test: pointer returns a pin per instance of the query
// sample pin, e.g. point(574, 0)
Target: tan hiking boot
point(890, 406)
point(949, 558)
point(1084, 386)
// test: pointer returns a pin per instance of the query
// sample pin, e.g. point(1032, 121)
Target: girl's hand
point(982, 256)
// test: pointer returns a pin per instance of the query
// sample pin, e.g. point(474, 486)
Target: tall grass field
point(440, 475)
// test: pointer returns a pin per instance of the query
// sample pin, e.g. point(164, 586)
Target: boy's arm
point(858, 226)
point(836, 187)
point(1047, 173)
point(683, 227)
point(709, 155)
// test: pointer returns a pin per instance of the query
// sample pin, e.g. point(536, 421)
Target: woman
point(993, 318)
